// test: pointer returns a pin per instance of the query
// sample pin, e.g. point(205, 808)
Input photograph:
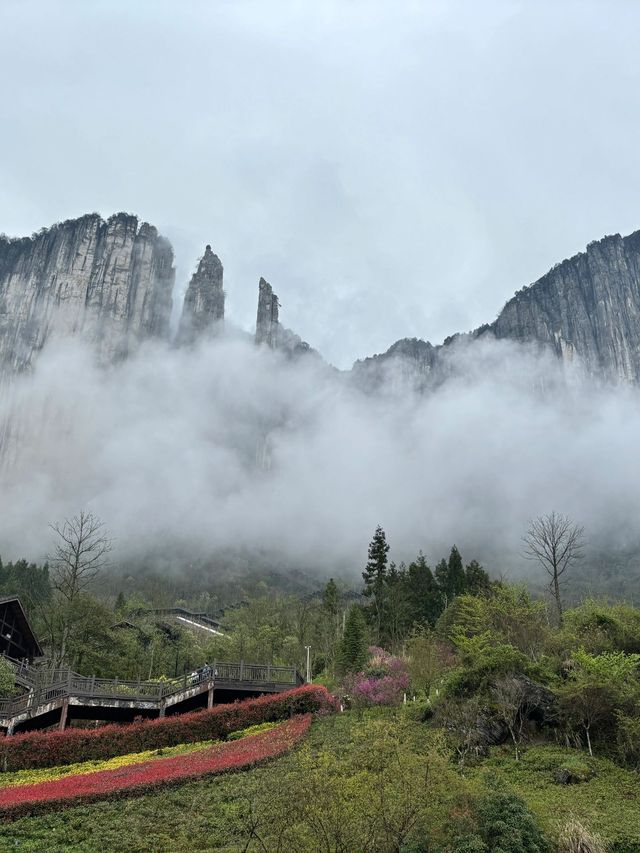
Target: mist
point(231, 447)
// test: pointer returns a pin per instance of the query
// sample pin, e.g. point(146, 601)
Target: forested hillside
point(470, 715)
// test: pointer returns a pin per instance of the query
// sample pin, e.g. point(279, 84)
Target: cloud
point(228, 447)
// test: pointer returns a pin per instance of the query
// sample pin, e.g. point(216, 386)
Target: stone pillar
point(203, 308)
point(212, 685)
point(267, 319)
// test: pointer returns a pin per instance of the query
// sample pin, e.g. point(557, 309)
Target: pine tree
point(330, 620)
point(352, 652)
point(442, 579)
point(476, 579)
point(456, 572)
point(450, 576)
point(330, 599)
point(425, 600)
point(375, 578)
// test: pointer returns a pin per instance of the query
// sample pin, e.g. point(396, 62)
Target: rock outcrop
point(409, 364)
point(203, 308)
point(109, 282)
point(586, 309)
point(267, 324)
point(270, 331)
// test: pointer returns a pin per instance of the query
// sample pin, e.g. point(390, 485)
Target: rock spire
point(203, 308)
point(267, 324)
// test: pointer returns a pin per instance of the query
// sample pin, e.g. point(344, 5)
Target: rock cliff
point(203, 308)
point(267, 324)
point(586, 309)
point(110, 282)
point(270, 331)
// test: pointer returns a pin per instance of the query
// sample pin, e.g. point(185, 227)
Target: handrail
point(50, 685)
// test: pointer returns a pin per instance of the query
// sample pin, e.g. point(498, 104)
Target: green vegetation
point(379, 781)
point(520, 733)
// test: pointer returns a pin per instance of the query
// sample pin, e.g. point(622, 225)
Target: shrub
point(628, 735)
point(507, 826)
point(575, 838)
point(252, 730)
point(47, 749)
point(220, 758)
point(383, 681)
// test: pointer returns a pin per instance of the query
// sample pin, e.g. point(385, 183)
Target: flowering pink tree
point(383, 681)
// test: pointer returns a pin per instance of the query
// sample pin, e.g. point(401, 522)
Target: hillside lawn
point(213, 813)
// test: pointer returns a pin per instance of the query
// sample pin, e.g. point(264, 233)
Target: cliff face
point(270, 331)
point(267, 318)
point(109, 282)
point(203, 309)
point(409, 364)
point(587, 307)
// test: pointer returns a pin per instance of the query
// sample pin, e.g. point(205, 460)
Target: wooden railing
point(46, 686)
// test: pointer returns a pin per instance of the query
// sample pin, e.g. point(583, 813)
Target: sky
point(394, 169)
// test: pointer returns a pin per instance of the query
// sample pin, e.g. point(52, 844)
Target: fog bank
point(230, 446)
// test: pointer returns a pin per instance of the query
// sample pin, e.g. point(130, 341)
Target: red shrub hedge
point(139, 778)
point(48, 749)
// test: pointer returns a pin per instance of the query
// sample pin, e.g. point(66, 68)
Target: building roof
point(23, 622)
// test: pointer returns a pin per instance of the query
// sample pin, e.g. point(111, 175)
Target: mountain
point(585, 309)
point(203, 308)
point(109, 281)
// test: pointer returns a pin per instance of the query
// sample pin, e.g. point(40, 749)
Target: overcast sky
point(392, 168)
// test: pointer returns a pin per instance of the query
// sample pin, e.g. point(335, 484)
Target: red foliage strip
point(219, 758)
point(48, 749)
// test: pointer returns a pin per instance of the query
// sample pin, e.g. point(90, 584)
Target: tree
point(396, 611)
point(331, 606)
point(599, 688)
point(427, 659)
point(450, 576)
point(80, 552)
point(375, 577)
point(556, 542)
point(352, 651)
point(476, 579)
point(425, 600)
point(510, 698)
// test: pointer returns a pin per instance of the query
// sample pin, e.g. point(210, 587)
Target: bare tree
point(510, 696)
point(556, 542)
point(80, 552)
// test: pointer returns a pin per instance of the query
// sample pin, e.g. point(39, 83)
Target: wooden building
point(17, 639)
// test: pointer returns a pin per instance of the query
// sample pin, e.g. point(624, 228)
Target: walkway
point(57, 696)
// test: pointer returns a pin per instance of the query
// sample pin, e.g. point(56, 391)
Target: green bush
point(507, 826)
point(48, 749)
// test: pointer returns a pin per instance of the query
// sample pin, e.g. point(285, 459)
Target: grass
point(209, 814)
point(608, 803)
